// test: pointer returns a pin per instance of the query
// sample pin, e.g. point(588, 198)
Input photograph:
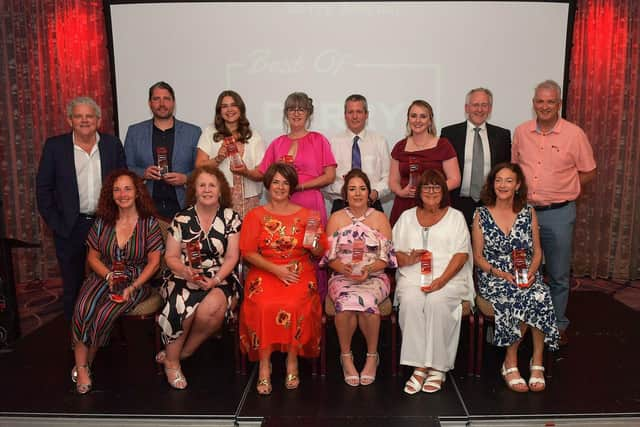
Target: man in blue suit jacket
point(496, 143)
point(70, 175)
point(179, 140)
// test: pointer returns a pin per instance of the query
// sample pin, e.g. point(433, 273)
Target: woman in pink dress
point(310, 154)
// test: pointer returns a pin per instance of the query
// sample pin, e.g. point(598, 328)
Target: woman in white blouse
point(430, 303)
point(229, 134)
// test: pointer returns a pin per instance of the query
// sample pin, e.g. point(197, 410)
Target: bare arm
point(231, 258)
point(478, 258)
point(327, 177)
point(586, 177)
point(452, 172)
point(454, 266)
point(394, 181)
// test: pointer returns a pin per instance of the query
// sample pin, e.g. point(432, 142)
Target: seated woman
point(281, 309)
point(506, 223)
point(125, 234)
point(357, 290)
point(198, 298)
point(434, 255)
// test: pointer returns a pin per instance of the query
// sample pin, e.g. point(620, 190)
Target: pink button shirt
point(551, 161)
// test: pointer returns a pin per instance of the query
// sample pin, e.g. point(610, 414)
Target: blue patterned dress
point(511, 304)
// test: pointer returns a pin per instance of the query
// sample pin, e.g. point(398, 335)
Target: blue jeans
point(556, 238)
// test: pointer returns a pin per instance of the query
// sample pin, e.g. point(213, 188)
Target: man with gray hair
point(557, 160)
point(359, 148)
point(70, 175)
point(479, 146)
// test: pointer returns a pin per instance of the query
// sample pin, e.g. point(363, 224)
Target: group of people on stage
point(106, 203)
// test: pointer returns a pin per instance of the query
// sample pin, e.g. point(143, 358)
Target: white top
point(253, 153)
point(468, 156)
point(446, 238)
point(374, 156)
point(89, 176)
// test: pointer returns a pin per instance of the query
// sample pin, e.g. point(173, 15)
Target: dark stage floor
point(594, 378)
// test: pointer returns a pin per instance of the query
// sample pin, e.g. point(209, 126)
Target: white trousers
point(430, 324)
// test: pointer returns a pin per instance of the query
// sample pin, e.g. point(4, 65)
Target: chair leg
point(323, 346)
point(158, 345)
point(394, 347)
point(472, 348)
point(549, 361)
point(480, 344)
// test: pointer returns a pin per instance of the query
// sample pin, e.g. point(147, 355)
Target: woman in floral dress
point(357, 290)
point(506, 223)
point(281, 309)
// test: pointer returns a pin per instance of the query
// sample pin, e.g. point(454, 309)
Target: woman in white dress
point(230, 133)
point(430, 304)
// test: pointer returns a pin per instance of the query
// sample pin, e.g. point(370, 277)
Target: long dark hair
point(244, 127)
point(488, 193)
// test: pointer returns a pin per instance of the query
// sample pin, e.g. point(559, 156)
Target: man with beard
point(162, 150)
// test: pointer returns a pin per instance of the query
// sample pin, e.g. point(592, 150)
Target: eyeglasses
point(296, 110)
point(431, 188)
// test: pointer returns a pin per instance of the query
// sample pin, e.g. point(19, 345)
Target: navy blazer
point(138, 146)
point(499, 144)
point(57, 184)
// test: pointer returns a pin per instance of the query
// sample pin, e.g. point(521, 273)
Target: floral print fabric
point(346, 294)
point(511, 304)
point(276, 315)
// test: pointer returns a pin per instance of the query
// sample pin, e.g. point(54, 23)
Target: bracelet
point(219, 159)
point(301, 187)
point(108, 276)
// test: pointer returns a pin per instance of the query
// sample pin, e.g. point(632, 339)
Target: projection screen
point(392, 52)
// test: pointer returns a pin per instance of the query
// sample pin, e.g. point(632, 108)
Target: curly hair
point(244, 127)
point(107, 208)
point(488, 193)
point(433, 177)
point(225, 191)
point(354, 173)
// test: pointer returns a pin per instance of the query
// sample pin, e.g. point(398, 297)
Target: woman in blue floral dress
point(357, 288)
point(506, 223)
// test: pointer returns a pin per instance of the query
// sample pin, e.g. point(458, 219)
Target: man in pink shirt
point(557, 160)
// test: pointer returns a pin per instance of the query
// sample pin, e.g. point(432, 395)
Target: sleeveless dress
point(94, 313)
point(511, 304)
point(346, 294)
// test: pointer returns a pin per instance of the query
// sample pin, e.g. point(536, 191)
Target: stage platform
point(595, 382)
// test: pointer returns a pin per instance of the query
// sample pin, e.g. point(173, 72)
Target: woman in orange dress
point(281, 309)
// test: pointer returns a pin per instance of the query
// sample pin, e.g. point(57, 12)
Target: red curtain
point(604, 99)
point(50, 52)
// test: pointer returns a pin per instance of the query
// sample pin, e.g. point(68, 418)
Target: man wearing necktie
point(359, 148)
point(479, 146)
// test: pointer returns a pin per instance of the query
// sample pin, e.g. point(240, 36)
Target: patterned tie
point(477, 168)
point(356, 163)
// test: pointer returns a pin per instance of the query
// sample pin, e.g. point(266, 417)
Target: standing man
point(479, 146)
point(70, 175)
point(174, 140)
point(362, 149)
point(557, 160)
